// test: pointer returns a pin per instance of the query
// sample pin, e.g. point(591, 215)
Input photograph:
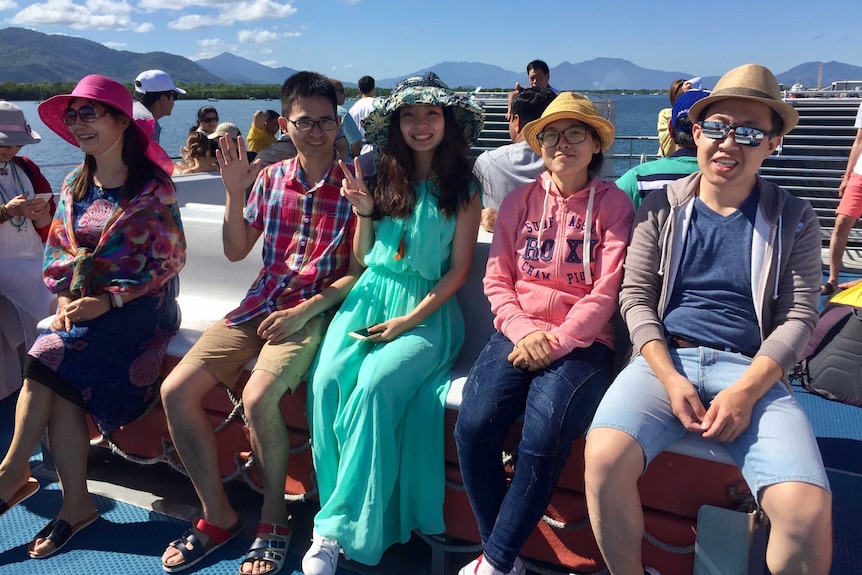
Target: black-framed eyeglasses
point(87, 114)
point(209, 119)
point(573, 135)
point(743, 135)
point(326, 124)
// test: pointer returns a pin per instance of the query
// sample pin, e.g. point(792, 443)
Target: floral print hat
point(425, 89)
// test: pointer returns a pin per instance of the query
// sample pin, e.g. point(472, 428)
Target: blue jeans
point(558, 404)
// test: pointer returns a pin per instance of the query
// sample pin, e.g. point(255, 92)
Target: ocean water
point(635, 116)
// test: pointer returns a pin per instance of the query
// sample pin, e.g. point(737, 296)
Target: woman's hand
point(354, 190)
point(81, 309)
point(389, 329)
point(534, 350)
point(34, 209)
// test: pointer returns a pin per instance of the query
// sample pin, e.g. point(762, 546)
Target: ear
point(774, 142)
point(282, 123)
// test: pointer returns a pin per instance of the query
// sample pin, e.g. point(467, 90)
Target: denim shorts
point(778, 446)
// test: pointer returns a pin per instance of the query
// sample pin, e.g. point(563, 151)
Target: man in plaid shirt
point(308, 268)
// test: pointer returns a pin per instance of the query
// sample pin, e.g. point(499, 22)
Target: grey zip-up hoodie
point(786, 270)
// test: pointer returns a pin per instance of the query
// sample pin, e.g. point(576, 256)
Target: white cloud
point(210, 47)
point(270, 63)
point(7, 5)
point(95, 14)
point(257, 36)
point(115, 45)
point(229, 13)
point(152, 5)
point(266, 50)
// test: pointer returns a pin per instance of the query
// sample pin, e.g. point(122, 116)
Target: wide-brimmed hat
point(682, 106)
point(110, 93)
point(14, 129)
point(749, 82)
point(424, 89)
point(225, 128)
point(569, 106)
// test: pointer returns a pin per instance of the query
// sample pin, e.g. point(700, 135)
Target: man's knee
point(184, 388)
point(843, 225)
point(611, 455)
point(797, 507)
point(261, 396)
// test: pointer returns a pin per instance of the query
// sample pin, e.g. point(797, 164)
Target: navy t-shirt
point(712, 302)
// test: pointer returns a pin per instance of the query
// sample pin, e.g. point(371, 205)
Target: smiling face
point(568, 162)
point(726, 162)
point(315, 144)
point(422, 127)
point(97, 137)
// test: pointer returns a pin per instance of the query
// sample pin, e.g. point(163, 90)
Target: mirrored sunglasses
point(742, 135)
point(573, 135)
point(87, 114)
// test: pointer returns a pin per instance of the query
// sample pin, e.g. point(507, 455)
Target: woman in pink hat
point(26, 206)
point(112, 256)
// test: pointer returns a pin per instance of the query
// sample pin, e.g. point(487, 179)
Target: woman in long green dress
point(376, 405)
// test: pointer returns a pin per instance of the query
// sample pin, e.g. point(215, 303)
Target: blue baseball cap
point(682, 105)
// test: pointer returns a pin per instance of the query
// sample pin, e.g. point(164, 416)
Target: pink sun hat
point(109, 93)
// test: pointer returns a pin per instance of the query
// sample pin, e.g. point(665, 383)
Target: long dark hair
point(393, 188)
point(141, 169)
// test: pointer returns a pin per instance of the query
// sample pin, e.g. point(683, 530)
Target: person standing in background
point(849, 209)
point(155, 94)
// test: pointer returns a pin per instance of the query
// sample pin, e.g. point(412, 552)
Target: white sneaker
point(651, 571)
point(479, 566)
point(322, 557)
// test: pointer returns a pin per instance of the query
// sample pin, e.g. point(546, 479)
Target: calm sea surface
point(635, 116)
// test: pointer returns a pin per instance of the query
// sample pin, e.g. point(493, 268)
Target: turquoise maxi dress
point(377, 408)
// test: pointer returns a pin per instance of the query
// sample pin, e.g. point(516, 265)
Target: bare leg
point(800, 540)
point(270, 443)
point(837, 245)
point(32, 412)
point(70, 444)
point(195, 441)
point(614, 462)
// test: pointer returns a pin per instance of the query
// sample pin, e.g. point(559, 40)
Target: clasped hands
point(533, 351)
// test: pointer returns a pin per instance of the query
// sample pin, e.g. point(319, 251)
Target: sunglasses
point(210, 119)
point(742, 135)
point(573, 135)
point(87, 114)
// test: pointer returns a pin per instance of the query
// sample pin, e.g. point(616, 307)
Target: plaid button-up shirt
point(307, 237)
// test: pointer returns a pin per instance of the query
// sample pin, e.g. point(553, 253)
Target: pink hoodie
point(536, 278)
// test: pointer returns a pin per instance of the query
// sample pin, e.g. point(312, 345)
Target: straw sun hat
point(749, 82)
point(570, 106)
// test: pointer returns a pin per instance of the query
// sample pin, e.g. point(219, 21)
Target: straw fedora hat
point(565, 106)
point(749, 82)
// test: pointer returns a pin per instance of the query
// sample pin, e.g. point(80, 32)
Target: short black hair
point(539, 65)
point(306, 84)
point(529, 104)
point(270, 115)
point(365, 84)
point(151, 98)
point(682, 136)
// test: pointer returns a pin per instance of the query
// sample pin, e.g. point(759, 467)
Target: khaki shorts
point(224, 350)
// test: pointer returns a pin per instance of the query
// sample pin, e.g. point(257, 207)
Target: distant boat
point(213, 99)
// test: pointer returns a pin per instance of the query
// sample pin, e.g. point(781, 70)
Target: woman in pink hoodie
point(553, 279)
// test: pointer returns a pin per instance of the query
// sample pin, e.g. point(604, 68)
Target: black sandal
point(827, 289)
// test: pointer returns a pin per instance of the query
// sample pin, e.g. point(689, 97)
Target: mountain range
point(31, 56)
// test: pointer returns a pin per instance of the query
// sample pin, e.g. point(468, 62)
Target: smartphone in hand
point(45, 196)
point(363, 334)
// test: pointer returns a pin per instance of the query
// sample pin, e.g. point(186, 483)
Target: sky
point(351, 38)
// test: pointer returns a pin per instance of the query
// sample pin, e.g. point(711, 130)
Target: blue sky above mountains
point(350, 38)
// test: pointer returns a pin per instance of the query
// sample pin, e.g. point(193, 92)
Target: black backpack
point(832, 362)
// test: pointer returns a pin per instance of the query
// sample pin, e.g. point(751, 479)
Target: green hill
point(30, 56)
